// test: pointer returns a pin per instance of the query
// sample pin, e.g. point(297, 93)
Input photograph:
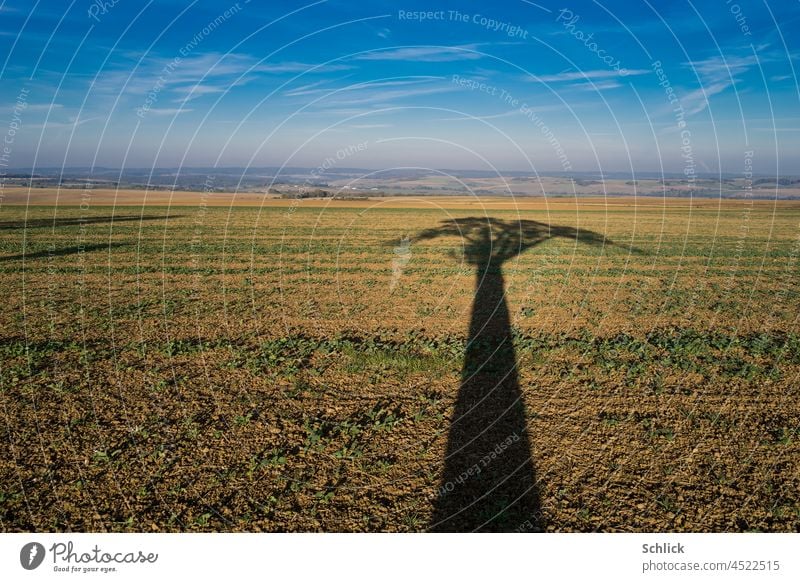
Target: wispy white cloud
point(586, 75)
point(722, 68)
point(307, 89)
point(194, 76)
point(697, 100)
point(30, 107)
point(315, 89)
point(191, 92)
point(385, 96)
point(598, 86)
point(162, 74)
point(426, 54)
point(296, 67)
point(197, 91)
point(467, 117)
point(365, 97)
point(716, 74)
point(71, 123)
point(169, 111)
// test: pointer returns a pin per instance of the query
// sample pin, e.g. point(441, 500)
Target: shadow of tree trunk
point(489, 481)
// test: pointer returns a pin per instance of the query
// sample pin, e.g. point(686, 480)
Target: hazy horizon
point(639, 174)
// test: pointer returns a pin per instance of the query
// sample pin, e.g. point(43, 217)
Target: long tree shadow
point(489, 481)
point(78, 221)
point(63, 252)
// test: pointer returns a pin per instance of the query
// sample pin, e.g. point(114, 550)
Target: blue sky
point(512, 85)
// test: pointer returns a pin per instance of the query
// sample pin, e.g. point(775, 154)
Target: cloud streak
point(585, 75)
point(425, 54)
point(716, 74)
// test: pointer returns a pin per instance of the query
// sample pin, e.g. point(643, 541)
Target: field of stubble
point(299, 367)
